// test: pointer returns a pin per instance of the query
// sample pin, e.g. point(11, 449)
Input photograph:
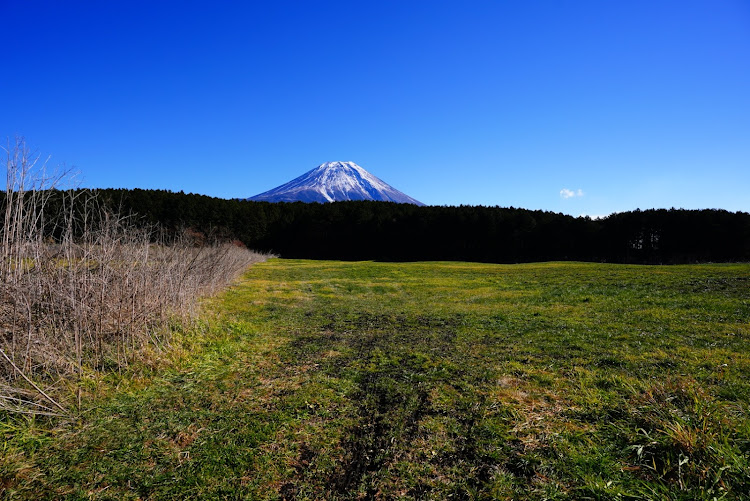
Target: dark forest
point(386, 231)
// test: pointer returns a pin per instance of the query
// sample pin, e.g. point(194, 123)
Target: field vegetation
point(84, 289)
point(366, 380)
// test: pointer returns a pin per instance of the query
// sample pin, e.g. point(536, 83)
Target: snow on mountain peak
point(334, 182)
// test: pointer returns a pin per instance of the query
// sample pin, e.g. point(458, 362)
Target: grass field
point(329, 380)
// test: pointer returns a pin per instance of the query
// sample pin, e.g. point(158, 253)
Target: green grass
point(312, 380)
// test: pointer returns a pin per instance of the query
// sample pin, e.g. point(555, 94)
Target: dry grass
point(87, 288)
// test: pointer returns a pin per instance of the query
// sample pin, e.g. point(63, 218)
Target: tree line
point(366, 230)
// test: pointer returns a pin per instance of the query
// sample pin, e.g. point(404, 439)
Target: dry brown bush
point(91, 297)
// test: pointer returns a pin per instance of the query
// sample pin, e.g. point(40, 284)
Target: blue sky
point(582, 107)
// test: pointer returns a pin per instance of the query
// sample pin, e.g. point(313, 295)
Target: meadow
point(370, 380)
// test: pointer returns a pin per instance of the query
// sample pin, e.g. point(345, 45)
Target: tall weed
point(86, 288)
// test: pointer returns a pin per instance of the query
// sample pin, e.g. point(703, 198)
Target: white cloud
point(566, 193)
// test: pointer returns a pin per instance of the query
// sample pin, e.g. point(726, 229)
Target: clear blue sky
point(582, 107)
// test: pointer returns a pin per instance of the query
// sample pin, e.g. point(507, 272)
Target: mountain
point(335, 182)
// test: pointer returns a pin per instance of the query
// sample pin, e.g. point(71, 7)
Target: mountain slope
point(335, 182)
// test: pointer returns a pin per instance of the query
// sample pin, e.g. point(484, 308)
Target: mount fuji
point(335, 182)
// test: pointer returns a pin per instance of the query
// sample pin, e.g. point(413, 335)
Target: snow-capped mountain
point(335, 182)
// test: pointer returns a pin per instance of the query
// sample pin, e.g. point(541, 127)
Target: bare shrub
point(85, 289)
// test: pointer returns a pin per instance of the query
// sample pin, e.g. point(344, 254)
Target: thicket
point(83, 288)
point(364, 230)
